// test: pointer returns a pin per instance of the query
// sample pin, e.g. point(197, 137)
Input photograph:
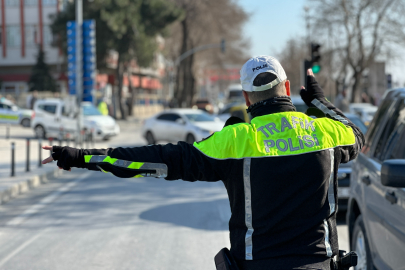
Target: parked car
point(175, 125)
point(53, 118)
point(376, 207)
point(12, 114)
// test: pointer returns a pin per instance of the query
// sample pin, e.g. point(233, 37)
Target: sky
point(273, 22)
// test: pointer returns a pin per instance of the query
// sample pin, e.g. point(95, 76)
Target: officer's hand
point(67, 157)
point(314, 91)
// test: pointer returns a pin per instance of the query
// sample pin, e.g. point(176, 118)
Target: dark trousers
point(287, 263)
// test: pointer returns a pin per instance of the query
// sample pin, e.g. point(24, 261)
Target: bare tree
point(205, 22)
point(362, 31)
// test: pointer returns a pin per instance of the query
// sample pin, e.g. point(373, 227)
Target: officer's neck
point(271, 105)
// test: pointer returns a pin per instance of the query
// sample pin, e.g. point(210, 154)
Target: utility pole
point(79, 65)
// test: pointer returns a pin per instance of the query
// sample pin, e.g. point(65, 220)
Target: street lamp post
point(79, 65)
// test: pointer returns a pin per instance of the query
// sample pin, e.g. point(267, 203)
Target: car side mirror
point(393, 173)
point(180, 121)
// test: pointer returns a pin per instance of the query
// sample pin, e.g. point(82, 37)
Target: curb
point(24, 186)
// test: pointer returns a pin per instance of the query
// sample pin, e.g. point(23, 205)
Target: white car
point(180, 125)
point(12, 114)
point(54, 119)
point(102, 126)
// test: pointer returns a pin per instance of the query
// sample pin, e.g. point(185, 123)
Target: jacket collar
point(271, 105)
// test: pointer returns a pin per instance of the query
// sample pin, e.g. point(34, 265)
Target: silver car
point(180, 125)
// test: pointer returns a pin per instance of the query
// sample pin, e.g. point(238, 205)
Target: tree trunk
point(120, 76)
point(181, 70)
point(133, 94)
point(355, 96)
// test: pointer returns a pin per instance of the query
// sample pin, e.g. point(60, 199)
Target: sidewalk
point(23, 181)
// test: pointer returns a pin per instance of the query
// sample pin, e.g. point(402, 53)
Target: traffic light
point(223, 45)
point(315, 57)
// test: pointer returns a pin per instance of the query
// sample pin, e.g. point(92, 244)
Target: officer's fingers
point(47, 147)
point(302, 87)
point(47, 160)
point(310, 72)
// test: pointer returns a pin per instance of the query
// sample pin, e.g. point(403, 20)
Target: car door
point(69, 124)
point(365, 178)
point(8, 115)
point(160, 127)
point(394, 214)
point(376, 195)
point(48, 112)
point(178, 128)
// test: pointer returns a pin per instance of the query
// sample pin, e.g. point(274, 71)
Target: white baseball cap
point(259, 64)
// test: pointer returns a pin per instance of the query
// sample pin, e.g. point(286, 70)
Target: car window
point(4, 106)
point(395, 147)
point(48, 108)
point(376, 123)
point(168, 117)
point(64, 112)
point(90, 110)
point(389, 131)
point(200, 117)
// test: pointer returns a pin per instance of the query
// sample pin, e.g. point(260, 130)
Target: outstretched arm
point(183, 161)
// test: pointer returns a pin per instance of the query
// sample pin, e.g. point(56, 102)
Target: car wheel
point(360, 246)
point(190, 139)
point(40, 132)
point(149, 138)
point(26, 122)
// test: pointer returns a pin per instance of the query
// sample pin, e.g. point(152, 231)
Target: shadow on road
point(212, 215)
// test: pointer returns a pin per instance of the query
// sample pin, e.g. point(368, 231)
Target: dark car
point(376, 208)
point(345, 169)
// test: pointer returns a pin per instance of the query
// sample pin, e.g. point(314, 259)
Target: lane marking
point(45, 201)
point(20, 248)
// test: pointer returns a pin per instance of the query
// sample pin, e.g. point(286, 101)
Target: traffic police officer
point(280, 171)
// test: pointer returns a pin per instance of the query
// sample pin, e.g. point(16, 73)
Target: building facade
point(24, 27)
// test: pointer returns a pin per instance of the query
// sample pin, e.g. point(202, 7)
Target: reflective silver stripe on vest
point(327, 243)
point(159, 168)
point(325, 110)
point(248, 208)
point(331, 189)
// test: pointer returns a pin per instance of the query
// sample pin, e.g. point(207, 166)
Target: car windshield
point(90, 110)
point(358, 123)
point(200, 117)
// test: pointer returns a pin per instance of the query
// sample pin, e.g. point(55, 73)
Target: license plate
point(343, 192)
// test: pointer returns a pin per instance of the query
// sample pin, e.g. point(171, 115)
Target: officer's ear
point(287, 88)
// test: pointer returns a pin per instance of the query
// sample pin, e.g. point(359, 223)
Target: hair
point(262, 79)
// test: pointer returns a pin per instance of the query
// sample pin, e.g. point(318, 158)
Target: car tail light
point(32, 115)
